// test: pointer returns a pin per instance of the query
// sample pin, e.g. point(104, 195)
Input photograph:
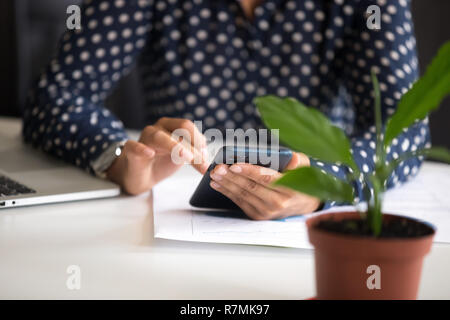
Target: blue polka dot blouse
point(204, 60)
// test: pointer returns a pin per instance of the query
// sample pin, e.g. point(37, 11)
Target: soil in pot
point(391, 228)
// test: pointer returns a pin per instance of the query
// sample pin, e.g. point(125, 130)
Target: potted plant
point(362, 254)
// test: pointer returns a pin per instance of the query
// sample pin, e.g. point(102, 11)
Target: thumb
point(297, 160)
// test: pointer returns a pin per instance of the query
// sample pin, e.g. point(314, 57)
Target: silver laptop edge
point(52, 179)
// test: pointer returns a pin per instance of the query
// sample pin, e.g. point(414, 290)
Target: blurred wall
point(29, 31)
point(432, 24)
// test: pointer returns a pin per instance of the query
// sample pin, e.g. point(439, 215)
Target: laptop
point(31, 177)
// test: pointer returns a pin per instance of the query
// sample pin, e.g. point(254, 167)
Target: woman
point(207, 60)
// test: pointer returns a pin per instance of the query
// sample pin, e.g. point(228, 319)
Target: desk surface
point(111, 240)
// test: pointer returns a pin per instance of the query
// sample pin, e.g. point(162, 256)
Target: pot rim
point(366, 247)
point(311, 222)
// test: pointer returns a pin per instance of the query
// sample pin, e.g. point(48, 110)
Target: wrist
point(114, 172)
point(103, 163)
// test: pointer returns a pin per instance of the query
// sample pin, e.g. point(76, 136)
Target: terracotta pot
point(342, 262)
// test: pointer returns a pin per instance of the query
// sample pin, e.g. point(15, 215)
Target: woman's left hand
point(249, 186)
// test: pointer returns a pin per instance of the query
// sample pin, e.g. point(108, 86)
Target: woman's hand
point(144, 163)
point(249, 187)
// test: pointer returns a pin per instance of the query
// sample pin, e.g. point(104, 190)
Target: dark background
point(29, 31)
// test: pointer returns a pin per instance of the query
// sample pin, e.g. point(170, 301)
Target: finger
point(195, 137)
point(163, 143)
point(158, 139)
point(248, 209)
point(138, 150)
point(185, 131)
point(267, 201)
point(262, 175)
point(257, 193)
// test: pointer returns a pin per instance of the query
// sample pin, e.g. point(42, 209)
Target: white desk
point(112, 242)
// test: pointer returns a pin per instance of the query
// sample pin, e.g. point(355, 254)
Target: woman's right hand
point(144, 163)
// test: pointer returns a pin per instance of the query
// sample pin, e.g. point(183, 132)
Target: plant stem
point(374, 202)
point(378, 120)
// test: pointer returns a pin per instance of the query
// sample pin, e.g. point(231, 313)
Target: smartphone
point(206, 197)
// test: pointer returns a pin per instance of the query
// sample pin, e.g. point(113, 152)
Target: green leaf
point(305, 129)
point(438, 153)
point(312, 181)
point(425, 95)
point(380, 153)
point(383, 171)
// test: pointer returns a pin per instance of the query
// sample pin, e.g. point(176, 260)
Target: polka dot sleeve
point(64, 114)
point(391, 52)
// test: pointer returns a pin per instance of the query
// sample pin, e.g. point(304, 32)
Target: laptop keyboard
point(9, 187)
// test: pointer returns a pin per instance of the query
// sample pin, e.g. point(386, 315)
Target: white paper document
point(426, 197)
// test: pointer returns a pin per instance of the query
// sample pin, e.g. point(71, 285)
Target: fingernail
point(149, 152)
point(236, 169)
point(214, 185)
point(221, 170)
point(216, 177)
